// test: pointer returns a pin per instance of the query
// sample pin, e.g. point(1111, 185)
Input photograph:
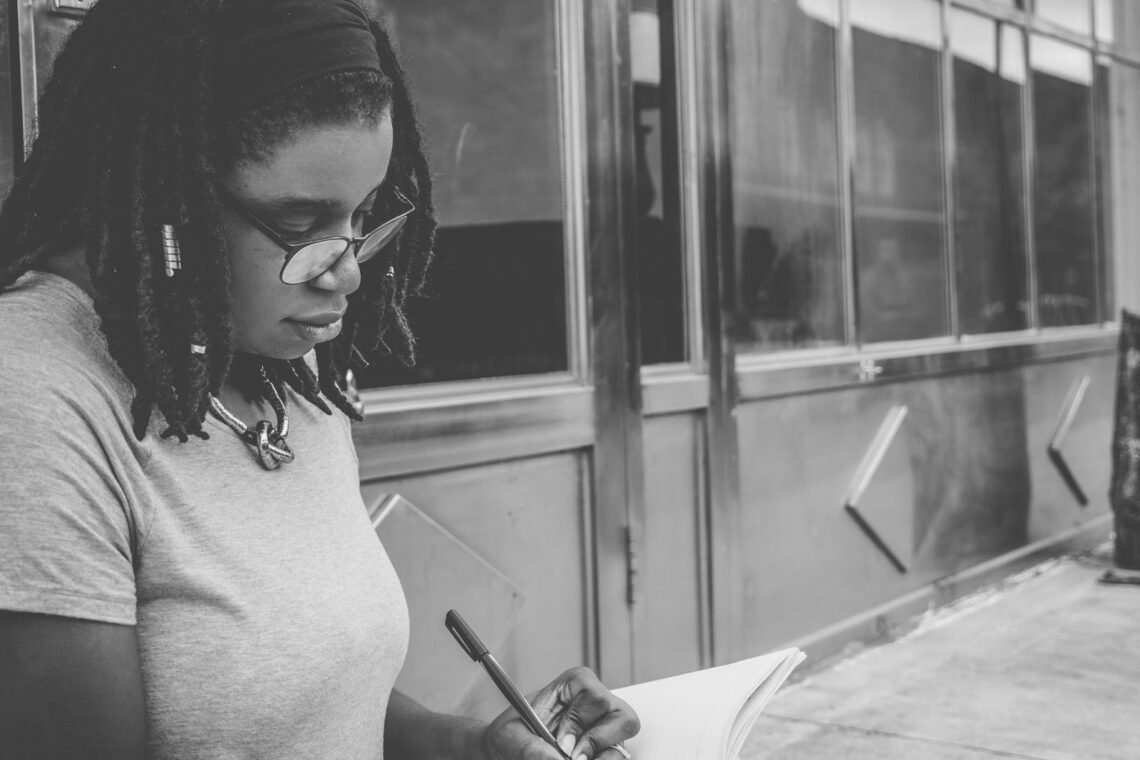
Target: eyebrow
point(296, 202)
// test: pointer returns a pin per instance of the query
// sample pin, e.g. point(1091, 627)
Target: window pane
point(1074, 15)
point(1105, 22)
point(786, 176)
point(1063, 210)
point(8, 125)
point(1118, 23)
point(989, 220)
point(660, 276)
point(899, 213)
point(1108, 163)
point(485, 77)
point(1124, 126)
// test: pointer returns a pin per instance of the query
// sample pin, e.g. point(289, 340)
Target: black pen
point(479, 653)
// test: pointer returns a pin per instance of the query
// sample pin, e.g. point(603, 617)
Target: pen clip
point(464, 635)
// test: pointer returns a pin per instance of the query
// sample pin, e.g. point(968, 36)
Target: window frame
point(779, 372)
point(573, 136)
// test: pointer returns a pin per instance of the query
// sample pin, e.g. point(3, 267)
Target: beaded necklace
point(267, 441)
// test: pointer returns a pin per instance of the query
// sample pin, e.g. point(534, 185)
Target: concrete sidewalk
point(1046, 666)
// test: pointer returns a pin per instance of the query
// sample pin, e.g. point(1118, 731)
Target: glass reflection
point(1074, 15)
point(786, 175)
point(1105, 20)
point(899, 211)
point(660, 276)
point(7, 117)
point(486, 82)
point(1063, 190)
point(1118, 24)
point(989, 77)
point(1107, 95)
point(1121, 104)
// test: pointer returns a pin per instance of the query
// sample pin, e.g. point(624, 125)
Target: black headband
point(263, 47)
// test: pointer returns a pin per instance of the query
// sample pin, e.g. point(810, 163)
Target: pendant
point(270, 447)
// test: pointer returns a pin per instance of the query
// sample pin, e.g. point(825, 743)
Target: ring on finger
point(622, 751)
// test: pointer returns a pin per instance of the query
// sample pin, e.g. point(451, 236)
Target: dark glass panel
point(786, 200)
point(900, 225)
point(8, 91)
point(660, 276)
point(1108, 163)
point(1063, 189)
point(486, 80)
point(989, 221)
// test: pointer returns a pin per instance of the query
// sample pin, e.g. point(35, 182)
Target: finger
point(592, 718)
point(584, 700)
point(597, 741)
point(613, 753)
point(513, 739)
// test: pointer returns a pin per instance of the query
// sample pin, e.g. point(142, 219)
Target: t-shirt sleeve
point(65, 526)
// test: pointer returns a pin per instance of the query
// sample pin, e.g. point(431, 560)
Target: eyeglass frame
point(292, 249)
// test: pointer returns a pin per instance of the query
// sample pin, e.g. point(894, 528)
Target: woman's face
point(317, 184)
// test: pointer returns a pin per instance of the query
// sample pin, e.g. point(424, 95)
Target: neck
point(243, 392)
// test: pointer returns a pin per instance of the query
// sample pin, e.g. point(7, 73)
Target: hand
point(584, 716)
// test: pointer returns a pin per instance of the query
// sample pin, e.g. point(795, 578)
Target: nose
point(343, 277)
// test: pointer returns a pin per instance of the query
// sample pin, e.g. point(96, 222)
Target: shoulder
point(71, 513)
point(57, 379)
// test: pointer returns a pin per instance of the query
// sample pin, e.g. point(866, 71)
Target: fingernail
point(567, 743)
point(581, 756)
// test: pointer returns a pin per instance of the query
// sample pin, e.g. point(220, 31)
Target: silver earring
point(171, 251)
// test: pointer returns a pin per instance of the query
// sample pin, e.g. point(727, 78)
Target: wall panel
point(967, 479)
point(669, 633)
point(804, 562)
point(1086, 448)
point(504, 542)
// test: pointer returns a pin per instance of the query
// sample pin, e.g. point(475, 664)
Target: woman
point(226, 204)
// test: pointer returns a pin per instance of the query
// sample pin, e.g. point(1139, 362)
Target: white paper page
point(705, 713)
point(756, 703)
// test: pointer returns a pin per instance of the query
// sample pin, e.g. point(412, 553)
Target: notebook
point(706, 714)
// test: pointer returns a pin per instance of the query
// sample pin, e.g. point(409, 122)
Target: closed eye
point(299, 227)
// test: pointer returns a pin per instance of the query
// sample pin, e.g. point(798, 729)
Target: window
point(1066, 256)
point(8, 125)
point(1105, 20)
point(660, 262)
point(1121, 81)
point(786, 198)
point(900, 227)
point(1104, 97)
point(1029, 139)
point(485, 77)
point(989, 218)
point(1073, 15)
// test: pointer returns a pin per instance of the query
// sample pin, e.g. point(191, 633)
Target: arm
point(69, 689)
point(411, 731)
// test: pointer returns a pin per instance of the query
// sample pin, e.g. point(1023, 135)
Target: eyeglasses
point(309, 260)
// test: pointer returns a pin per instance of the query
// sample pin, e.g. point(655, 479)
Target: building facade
point(751, 320)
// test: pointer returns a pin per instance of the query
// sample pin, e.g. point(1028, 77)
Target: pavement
point(1043, 666)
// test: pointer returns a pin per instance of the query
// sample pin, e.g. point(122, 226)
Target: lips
point(322, 319)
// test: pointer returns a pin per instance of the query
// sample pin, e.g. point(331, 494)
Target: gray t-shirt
point(270, 621)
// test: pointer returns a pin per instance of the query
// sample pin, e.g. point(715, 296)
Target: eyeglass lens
point(316, 258)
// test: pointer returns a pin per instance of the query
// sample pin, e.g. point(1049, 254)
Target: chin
point(281, 352)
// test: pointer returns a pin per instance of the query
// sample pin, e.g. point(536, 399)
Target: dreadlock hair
point(128, 141)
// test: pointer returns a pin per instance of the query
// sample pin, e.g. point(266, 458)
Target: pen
point(479, 653)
